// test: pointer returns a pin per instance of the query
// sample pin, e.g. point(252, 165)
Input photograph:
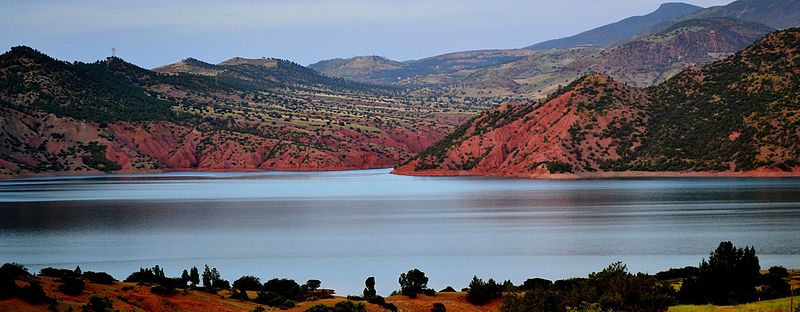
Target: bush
point(413, 282)
point(438, 307)
point(9, 273)
point(71, 286)
point(533, 283)
point(274, 300)
point(99, 277)
point(685, 272)
point(613, 289)
point(58, 273)
point(162, 290)
point(99, 304)
point(774, 284)
point(481, 292)
point(13, 271)
point(318, 308)
point(34, 294)
point(349, 306)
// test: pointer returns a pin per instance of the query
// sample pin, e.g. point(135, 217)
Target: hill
point(734, 115)
point(619, 31)
point(243, 114)
point(359, 68)
point(435, 70)
point(779, 14)
point(267, 73)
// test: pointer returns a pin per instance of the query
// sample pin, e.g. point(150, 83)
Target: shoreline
point(758, 173)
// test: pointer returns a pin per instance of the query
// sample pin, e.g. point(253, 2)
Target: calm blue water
point(341, 227)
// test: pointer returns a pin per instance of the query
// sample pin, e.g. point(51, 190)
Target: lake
point(341, 227)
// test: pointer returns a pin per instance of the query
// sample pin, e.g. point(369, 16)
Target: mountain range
point(679, 35)
point(649, 93)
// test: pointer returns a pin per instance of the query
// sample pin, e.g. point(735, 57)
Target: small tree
point(194, 276)
point(369, 291)
point(413, 282)
point(78, 271)
point(185, 277)
point(312, 284)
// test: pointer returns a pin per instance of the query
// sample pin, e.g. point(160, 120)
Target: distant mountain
point(738, 114)
point(778, 14)
point(643, 62)
point(653, 59)
point(619, 31)
point(435, 70)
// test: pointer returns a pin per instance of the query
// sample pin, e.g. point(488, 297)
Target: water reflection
point(342, 226)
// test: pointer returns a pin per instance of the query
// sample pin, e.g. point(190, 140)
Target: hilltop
point(735, 115)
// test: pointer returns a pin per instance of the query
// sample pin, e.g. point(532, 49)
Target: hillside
point(738, 114)
point(653, 59)
point(566, 132)
point(113, 116)
point(779, 14)
point(744, 108)
point(619, 31)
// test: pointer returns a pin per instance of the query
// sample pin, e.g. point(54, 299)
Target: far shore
point(758, 173)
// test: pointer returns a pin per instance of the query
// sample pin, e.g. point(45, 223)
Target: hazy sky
point(152, 33)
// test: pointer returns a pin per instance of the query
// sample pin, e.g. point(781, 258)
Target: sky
point(154, 33)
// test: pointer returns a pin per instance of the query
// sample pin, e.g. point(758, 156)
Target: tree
point(369, 291)
point(194, 276)
point(413, 282)
point(286, 288)
point(78, 271)
point(481, 292)
point(728, 277)
point(212, 279)
point(312, 284)
point(247, 283)
point(185, 277)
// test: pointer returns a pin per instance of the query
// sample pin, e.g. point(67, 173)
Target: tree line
point(731, 275)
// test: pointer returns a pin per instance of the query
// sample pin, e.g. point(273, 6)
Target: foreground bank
point(730, 276)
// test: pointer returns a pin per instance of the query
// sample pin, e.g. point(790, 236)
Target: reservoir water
point(341, 227)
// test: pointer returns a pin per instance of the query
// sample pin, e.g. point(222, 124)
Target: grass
point(782, 304)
